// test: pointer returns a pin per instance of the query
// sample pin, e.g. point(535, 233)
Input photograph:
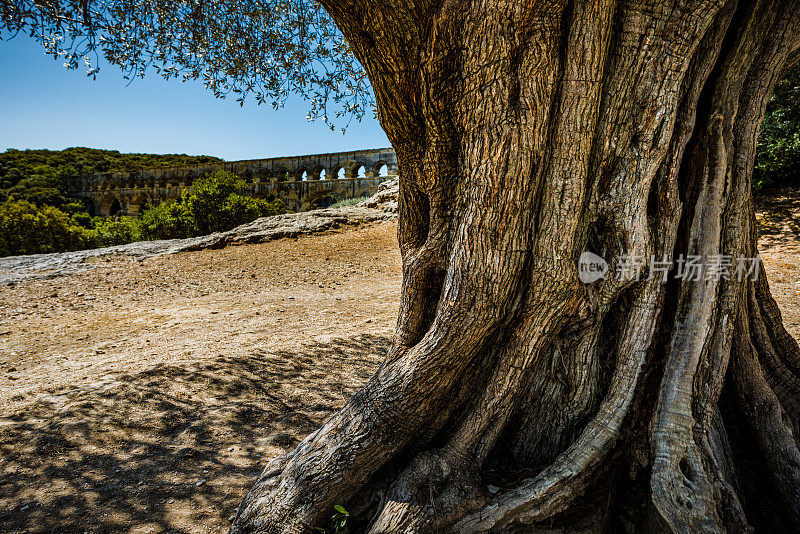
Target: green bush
point(28, 229)
point(215, 204)
point(168, 220)
point(77, 210)
point(778, 156)
point(238, 209)
point(114, 231)
point(274, 207)
point(207, 202)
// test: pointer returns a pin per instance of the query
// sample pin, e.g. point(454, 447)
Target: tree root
point(555, 487)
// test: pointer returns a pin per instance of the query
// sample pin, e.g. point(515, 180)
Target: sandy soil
point(144, 396)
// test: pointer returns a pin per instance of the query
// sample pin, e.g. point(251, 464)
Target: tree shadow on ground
point(171, 449)
point(778, 216)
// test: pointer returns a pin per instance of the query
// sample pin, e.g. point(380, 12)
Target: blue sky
point(43, 105)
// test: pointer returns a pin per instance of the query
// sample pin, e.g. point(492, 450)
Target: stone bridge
point(302, 182)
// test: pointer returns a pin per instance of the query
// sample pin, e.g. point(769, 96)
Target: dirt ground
point(778, 219)
point(143, 396)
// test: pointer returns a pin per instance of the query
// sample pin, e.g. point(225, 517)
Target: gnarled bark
point(528, 133)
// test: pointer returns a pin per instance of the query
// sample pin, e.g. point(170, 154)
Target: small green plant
point(338, 521)
point(216, 203)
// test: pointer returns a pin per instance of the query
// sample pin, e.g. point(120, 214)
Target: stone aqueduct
point(302, 182)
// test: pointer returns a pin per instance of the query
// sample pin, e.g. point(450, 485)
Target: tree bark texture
point(514, 396)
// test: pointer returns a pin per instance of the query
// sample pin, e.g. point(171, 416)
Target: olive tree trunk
point(514, 395)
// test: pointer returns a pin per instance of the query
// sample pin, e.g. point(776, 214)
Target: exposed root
point(555, 487)
point(440, 486)
point(769, 423)
point(430, 494)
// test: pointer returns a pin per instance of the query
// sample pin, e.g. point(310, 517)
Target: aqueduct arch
point(91, 205)
point(137, 203)
point(355, 170)
point(110, 205)
point(336, 172)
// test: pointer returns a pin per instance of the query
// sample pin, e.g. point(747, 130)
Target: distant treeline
point(39, 176)
point(18, 164)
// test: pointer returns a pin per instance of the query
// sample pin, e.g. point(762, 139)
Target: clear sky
point(43, 105)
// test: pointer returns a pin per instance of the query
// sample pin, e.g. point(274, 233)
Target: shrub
point(275, 207)
point(238, 209)
point(77, 211)
point(28, 229)
point(206, 202)
point(215, 204)
point(114, 231)
point(778, 154)
point(778, 157)
point(168, 220)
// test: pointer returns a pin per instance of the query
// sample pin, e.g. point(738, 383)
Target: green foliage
point(27, 229)
point(778, 155)
point(215, 204)
point(264, 49)
point(41, 177)
point(212, 204)
point(57, 165)
point(77, 210)
point(113, 231)
point(207, 201)
point(338, 521)
point(39, 184)
point(239, 209)
point(39, 216)
point(168, 220)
